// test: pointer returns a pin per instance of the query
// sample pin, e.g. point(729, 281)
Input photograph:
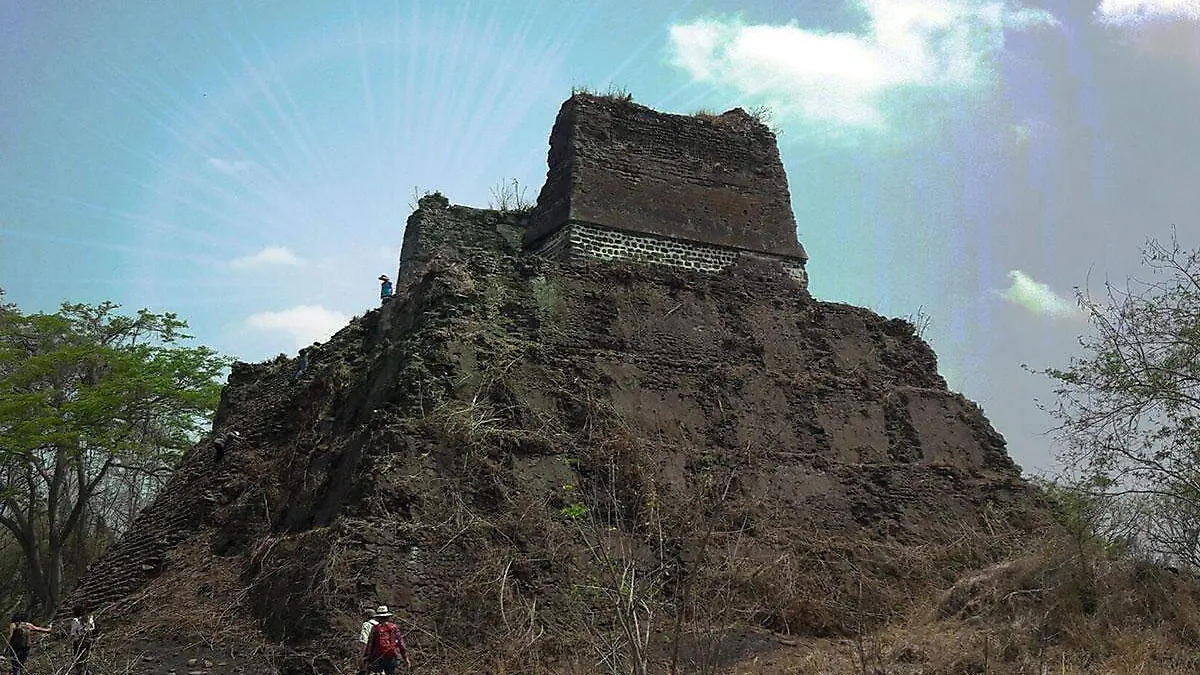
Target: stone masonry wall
point(438, 224)
point(715, 180)
point(584, 241)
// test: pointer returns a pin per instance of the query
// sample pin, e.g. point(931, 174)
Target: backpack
point(385, 639)
point(20, 637)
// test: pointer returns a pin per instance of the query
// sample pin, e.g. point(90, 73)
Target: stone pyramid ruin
point(620, 406)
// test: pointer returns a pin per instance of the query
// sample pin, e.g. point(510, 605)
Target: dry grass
point(1050, 612)
point(614, 93)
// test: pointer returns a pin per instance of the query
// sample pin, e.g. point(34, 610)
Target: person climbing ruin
point(385, 645)
point(19, 639)
point(364, 635)
point(224, 442)
point(82, 633)
point(322, 428)
point(385, 288)
point(301, 365)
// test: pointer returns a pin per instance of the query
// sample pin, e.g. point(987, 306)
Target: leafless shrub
point(763, 115)
point(418, 193)
point(920, 321)
point(617, 93)
point(620, 602)
point(509, 196)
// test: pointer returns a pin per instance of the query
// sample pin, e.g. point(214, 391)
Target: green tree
point(1129, 408)
point(86, 393)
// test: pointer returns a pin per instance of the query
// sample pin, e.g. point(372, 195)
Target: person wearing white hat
point(385, 645)
point(385, 288)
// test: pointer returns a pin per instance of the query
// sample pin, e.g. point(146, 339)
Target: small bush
point(619, 94)
point(762, 114)
point(509, 196)
point(614, 93)
point(545, 294)
point(576, 511)
point(418, 193)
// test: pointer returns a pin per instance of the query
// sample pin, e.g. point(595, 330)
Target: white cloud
point(1037, 297)
point(230, 167)
point(305, 324)
point(841, 78)
point(1126, 12)
point(272, 255)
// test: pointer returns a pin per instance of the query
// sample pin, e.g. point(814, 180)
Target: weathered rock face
point(710, 179)
point(510, 443)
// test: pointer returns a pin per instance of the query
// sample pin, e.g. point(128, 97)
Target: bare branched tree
point(1128, 409)
point(509, 196)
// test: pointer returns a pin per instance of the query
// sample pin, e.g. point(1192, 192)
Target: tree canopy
point(89, 395)
point(1129, 407)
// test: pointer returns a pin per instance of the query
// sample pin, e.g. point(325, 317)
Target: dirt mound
point(571, 467)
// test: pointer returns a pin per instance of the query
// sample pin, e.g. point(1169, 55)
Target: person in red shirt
point(385, 646)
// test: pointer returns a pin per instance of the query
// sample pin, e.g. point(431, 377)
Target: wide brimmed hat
point(383, 277)
point(382, 610)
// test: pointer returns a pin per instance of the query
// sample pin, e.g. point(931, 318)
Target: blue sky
point(250, 165)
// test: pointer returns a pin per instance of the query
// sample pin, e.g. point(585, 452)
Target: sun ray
point(469, 67)
point(394, 169)
point(294, 150)
point(140, 153)
point(299, 128)
point(445, 103)
point(365, 77)
point(497, 115)
point(655, 39)
point(251, 139)
point(114, 216)
point(108, 245)
point(256, 291)
point(410, 79)
point(228, 132)
point(306, 137)
point(164, 121)
point(172, 123)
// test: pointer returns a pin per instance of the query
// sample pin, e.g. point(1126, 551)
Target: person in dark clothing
point(19, 638)
point(301, 365)
point(224, 442)
point(82, 633)
point(385, 288)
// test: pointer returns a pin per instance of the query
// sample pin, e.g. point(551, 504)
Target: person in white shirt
point(365, 634)
point(83, 629)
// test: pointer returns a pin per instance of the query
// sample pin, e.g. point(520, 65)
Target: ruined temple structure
point(538, 411)
point(625, 182)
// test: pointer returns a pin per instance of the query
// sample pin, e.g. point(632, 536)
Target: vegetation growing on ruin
point(613, 93)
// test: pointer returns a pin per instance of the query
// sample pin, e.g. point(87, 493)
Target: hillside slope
point(527, 457)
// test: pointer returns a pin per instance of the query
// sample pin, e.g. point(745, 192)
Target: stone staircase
point(261, 411)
